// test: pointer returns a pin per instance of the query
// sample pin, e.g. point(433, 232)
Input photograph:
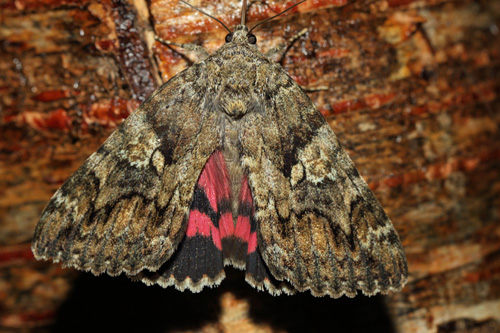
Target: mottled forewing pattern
point(126, 208)
point(319, 226)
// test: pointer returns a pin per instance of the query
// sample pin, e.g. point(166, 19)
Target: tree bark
point(411, 88)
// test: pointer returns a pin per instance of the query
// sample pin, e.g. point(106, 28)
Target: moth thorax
point(236, 100)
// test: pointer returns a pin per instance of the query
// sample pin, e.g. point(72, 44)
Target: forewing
point(126, 208)
point(319, 226)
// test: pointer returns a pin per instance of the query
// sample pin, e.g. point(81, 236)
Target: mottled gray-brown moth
point(229, 162)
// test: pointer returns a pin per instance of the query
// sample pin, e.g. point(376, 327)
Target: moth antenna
point(243, 12)
point(270, 18)
point(204, 13)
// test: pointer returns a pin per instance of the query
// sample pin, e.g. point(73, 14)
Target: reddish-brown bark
point(413, 94)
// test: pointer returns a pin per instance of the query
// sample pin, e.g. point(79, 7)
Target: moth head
point(241, 35)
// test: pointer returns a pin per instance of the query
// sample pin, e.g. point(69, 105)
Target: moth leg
point(199, 50)
point(282, 48)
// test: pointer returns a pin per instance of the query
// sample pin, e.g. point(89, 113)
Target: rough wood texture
point(412, 94)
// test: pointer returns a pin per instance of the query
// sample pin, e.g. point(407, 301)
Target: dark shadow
point(117, 304)
point(100, 304)
point(303, 312)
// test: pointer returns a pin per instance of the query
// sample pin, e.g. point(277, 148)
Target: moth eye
point(229, 37)
point(252, 39)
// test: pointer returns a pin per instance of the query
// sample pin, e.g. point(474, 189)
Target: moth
point(227, 163)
